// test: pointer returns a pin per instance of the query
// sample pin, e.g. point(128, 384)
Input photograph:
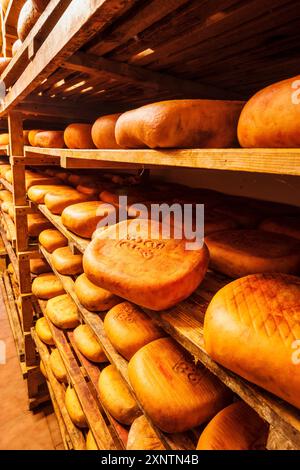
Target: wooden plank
point(6, 184)
point(4, 150)
point(10, 252)
point(238, 159)
point(76, 436)
point(91, 410)
point(10, 227)
point(93, 372)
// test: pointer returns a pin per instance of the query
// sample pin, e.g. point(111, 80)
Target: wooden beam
point(94, 65)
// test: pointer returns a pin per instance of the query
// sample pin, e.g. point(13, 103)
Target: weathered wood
point(6, 185)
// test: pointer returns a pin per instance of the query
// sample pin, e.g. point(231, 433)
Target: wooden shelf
point(10, 227)
point(4, 150)
point(6, 185)
point(180, 441)
point(10, 251)
point(247, 160)
point(72, 436)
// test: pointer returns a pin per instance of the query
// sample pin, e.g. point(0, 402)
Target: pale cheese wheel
point(116, 396)
point(15, 49)
point(6, 196)
point(31, 136)
point(134, 260)
point(34, 179)
point(57, 366)
point(175, 394)
point(216, 222)
point(7, 207)
point(129, 329)
point(52, 239)
point(287, 225)
point(251, 327)
point(39, 266)
point(57, 202)
point(65, 262)
point(92, 297)
point(238, 253)
point(26, 135)
point(47, 286)
point(50, 139)
point(244, 215)
point(90, 442)
point(27, 19)
point(62, 312)
point(4, 138)
point(74, 408)
point(9, 176)
point(38, 192)
point(88, 344)
point(142, 437)
point(43, 331)
point(36, 224)
point(83, 218)
point(103, 132)
point(237, 427)
point(78, 136)
point(3, 169)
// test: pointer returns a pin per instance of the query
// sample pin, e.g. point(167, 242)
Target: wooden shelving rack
point(112, 56)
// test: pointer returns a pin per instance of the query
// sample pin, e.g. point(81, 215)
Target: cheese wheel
point(36, 224)
point(57, 202)
point(6, 196)
point(129, 329)
point(78, 136)
point(43, 370)
point(39, 266)
point(11, 211)
point(142, 437)
point(38, 192)
point(40, 5)
point(50, 139)
point(62, 312)
point(3, 169)
point(43, 331)
point(271, 117)
point(4, 61)
point(74, 408)
point(116, 397)
point(202, 123)
point(153, 272)
point(9, 176)
point(216, 222)
point(90, 189)
point(16, 47)
point(27, 19)
point(62, 175)
point(36, 179)
point(175, 394)
point(287, 225)
point(251, 327)
point(83, 218)
point(47, 286)
point(7, 206)
point(10, 268)
point(58, 367)
point(65, 262)
point(52, 239)
point(237, 427)
point(237, 253)
point(92, 297)
point(26, 136)
point(88, 344)
point(244, 215)
point(90, 442)
point(4, 138)
point(31, 136)
point(4, 5)
point(103, 132)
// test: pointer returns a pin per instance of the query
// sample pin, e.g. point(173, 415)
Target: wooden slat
point(4, 150)
point(6, 184)
point(10, 251)
point(10, 227)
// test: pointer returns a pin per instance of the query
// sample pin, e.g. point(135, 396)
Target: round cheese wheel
point(88, 344)
point(142, 437)
point(26, 136)
point(31, 136)
point(4, 61)
point(50, 139)
point(4, 138)
point(90, 189)
point(176, 394)
point(36, 224)
point(258, 313)
point(39, 266)
point(52, 239)
point(127, 260)
point(47, 286)
point(129, 329)
point(58, 367)
point(65, 262)
point(90, 442)
point(43, 331)
point(43, 370)
point(4, 168)
point(40, 5)
point(103, 132)
point(216, 222)
point(16, 47)
point(92, 297)
point(238, 253)
point(116, 397)
point(34, 179)
point(244, 215)
point(27, 19)
point(9, 176)
point(6, 196)
point(5, 206)
point(74, 408)
point(38, 192)
point(10, 268)
point(287, 225)
point(62, 311)
point(57, 202)
point(237, 427)
point(84, 218)
point(78, 136)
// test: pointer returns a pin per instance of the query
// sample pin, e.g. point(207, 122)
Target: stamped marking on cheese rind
point(190, 371)
point(144, 247)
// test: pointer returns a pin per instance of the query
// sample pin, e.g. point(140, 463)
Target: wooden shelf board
point(181, 441)
point(248, 160)
point(6, 185)
point(11, 227)
point(10, 251)
point(4, 150)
